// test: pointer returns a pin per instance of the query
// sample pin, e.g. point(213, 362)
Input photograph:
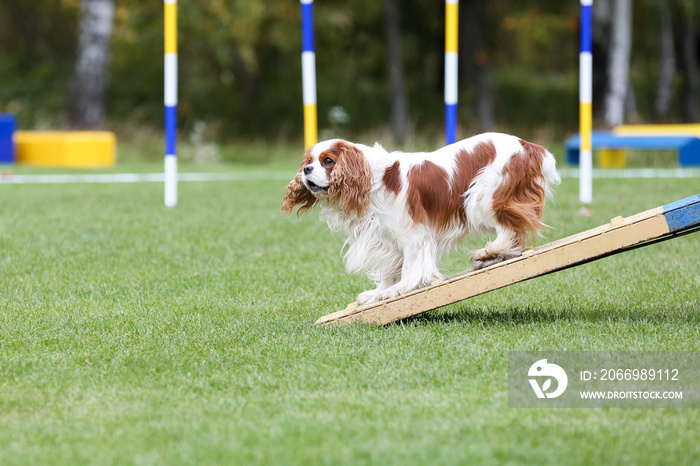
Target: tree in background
point(399, 99)
point(475, 60)
point(690, 12)
point(667, 70)
point(618, 62)
point(87, 96)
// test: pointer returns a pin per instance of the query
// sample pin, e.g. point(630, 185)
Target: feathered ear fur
point(297, 195)
point(351, 179)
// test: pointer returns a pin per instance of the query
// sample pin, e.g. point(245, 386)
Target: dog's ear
point(351, 179)
point(297, 194)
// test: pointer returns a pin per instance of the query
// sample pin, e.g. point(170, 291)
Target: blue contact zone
point(683, 214)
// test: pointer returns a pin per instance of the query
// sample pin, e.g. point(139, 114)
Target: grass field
point(132, 334)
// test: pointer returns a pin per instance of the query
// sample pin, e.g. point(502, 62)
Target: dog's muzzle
point(313, 187)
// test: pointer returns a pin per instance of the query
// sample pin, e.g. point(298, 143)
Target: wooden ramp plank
point(616, 236)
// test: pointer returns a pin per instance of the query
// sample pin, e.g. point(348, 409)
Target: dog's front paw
point(396, 291)
point(391, 293)
point(367, 297)
point(375, 296)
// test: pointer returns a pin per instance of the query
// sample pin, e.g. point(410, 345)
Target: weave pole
point(451, 60)
point(170, 101)
point(308, 73)
point(586, 103)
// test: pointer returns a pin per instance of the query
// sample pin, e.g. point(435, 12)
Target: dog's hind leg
point(506, 246)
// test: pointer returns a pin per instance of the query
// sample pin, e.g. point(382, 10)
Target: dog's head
point(335, 171)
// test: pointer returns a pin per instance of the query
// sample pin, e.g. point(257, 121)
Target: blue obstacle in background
point(8, 125)
point(688, 146)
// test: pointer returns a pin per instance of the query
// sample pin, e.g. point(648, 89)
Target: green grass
point(133, 334)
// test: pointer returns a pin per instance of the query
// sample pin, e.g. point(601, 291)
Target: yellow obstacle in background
point(84, 149)
point(617, 158)
point(691, 129)
point(613, 158)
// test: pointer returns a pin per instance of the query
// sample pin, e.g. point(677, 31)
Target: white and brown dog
point(403, 211)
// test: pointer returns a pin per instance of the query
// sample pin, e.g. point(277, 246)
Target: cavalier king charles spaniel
point(403, 211)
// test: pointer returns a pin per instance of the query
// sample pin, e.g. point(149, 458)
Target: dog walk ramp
point(620, 235)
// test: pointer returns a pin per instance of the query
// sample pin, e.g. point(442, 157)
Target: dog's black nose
point(308, 169)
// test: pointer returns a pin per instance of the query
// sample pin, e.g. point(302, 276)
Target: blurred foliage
point(240, 69)
point(37, 47)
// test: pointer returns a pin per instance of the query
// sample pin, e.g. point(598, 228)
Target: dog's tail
point(549, 172)
point(518, 202)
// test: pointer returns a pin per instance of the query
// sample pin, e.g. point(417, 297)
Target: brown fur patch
point(334, 153)
point(428, 190)
point(437, 200)
point(350, 178)
point(519, 201)
point(392, 178)
point(297, 194)
point(469, 163)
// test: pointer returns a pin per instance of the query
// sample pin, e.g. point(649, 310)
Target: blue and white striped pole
point(308, 73)
point(451, 59)
point(586, 103)
point(170, 102)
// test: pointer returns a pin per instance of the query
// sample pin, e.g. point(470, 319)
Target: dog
point(403, 211)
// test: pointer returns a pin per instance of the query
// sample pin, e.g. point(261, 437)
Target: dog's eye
point(328, 161)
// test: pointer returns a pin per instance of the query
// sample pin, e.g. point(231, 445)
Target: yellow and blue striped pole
point(586, 103)
point(170, 102)
point(308, 73)
point(451, 60)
